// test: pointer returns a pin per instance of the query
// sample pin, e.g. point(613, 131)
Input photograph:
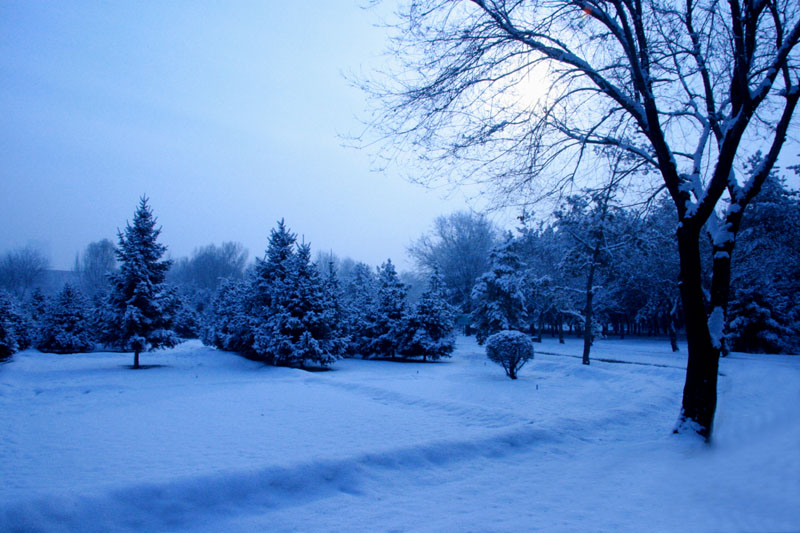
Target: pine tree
point(37, 307)
point(764, 312)
point(334, 313)
point(228, 325)
point(140, 306)
point(429, 331)
point(498, 299)
point(9, 317)
point(270, 317)
point(387, 322)
point(290, 316)
point(313, 329)
point(360, 297)
point(65, 326)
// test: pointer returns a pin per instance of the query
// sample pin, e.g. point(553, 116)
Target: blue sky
point(227, 114)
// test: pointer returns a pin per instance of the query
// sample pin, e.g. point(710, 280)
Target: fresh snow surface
point(212, 442)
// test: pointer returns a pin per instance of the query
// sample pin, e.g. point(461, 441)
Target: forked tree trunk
point(700, 389)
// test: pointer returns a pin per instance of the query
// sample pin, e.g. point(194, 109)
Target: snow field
point(210, 441)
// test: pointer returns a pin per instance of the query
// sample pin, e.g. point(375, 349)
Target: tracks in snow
point(183, 502)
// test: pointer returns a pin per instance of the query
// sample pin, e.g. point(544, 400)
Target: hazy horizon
point(228, 117)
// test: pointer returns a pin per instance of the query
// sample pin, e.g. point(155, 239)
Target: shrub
point(510, 349)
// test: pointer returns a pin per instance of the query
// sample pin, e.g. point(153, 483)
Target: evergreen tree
point(271, 319)
point(65, 327)
point(227, 325)
point(291, 317)
point(37, 307)
point(359, 302)
point(499, 295)
point(764, 312)
point(140, 306)
point(9, 320)
point(429, 330)
point(334, 312)
point(387, 323)
point(313, 330)
point(35, 310)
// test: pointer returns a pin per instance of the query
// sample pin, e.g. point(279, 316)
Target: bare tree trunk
point(700, 389)
point(560, 326)
point(587, 333)
point(541, 327)
point(136, 359)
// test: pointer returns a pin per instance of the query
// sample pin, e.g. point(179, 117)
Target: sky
point(228, 115)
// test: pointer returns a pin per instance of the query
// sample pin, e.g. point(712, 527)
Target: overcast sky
point(226, 114)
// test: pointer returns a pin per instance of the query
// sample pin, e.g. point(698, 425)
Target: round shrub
point(510, 349)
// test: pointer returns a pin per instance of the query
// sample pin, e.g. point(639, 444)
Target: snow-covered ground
point(213, 442)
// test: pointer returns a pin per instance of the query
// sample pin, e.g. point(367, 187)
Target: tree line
point(285, 310)
point(595, 269)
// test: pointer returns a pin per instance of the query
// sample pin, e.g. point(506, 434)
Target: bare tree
point(20, 269)
point(94, 266)
point(592, 240)
point(210, 264)
point(458, 246)
point(516, 92)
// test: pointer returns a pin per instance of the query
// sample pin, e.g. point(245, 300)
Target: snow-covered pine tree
point(498, 298)
point(334, 312)
point(228, 325)
point(270, 317)
point(37, 307)
point(360, 295)
point(388, 319)
point(312, 329)
point(9, 319)
point(20, 324)
point(429, 329)
point(65, 326)
point(139, 317)
point(764, 312)
point(289, 313)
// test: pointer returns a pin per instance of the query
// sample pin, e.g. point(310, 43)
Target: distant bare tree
point(20, 269)
point(343, 266)
point(458, 246)
point(94, 266)
point(517, 92)
point(211, 264)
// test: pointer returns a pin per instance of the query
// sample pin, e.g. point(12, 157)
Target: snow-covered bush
point(66, 324)
point(510, 349)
